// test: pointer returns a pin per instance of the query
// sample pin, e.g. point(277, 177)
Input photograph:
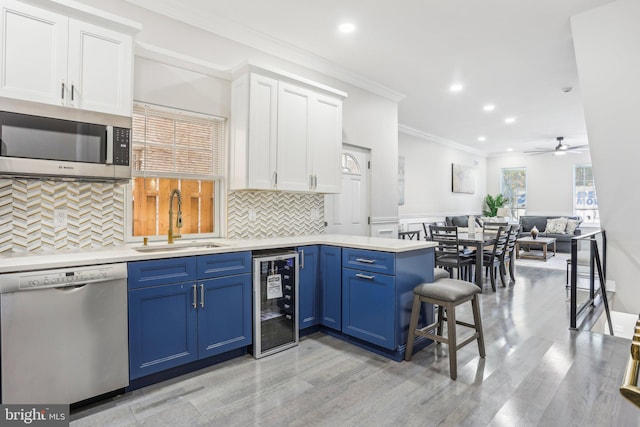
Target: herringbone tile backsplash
point(95, 215)
point(276, 214)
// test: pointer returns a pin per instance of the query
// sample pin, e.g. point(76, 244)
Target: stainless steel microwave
point(36, 146)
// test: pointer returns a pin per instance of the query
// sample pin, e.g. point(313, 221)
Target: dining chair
point(489, 228)
point(448, 254)
point(509, 254)
point(491, 260)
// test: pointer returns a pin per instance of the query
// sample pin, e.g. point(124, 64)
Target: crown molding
point(408, 130)
point(179, 60)
point(265, 43)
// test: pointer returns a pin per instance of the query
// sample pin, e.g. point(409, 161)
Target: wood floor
point(536, 373)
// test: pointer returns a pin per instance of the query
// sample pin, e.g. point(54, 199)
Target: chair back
point(492, 227)
point(426, 226)
point(447, 239)
point(500, 243)
point(511, 239)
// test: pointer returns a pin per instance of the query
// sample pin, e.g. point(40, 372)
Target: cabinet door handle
point(195, 297)
point(72, 89)
point(62, 93)
point(311, 182)
point(366, 261)
point(315, 181)
point(301, 258)
point(364, 276)
point(275, 179)
point(202, 296)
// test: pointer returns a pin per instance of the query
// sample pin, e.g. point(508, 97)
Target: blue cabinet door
point(368, 307)
point(331, 287)
point(162, 328)
point(308, 289)
point(224, 314)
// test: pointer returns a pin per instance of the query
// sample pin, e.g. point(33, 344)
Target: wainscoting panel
point(254, 214)
point(95, 215)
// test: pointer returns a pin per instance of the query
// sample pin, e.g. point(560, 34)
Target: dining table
point(477, 240)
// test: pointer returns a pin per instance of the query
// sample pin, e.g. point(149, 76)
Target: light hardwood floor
point(536, 373)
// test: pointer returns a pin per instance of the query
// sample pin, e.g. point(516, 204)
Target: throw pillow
point(572, 224)
point(556, 226)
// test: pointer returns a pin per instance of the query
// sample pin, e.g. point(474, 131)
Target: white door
point(348, 211)
point(33, 52)
point(325, 141)
point(100, 69)
point(293, 154)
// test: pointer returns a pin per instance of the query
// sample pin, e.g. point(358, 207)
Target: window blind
point(172, 142)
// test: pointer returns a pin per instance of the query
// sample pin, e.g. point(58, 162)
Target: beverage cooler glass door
point(275, 293)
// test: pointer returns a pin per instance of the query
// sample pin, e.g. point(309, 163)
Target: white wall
point(606, 42)
point(369, 120)
point(166, 85)
point(549, 180)
point(428, 192)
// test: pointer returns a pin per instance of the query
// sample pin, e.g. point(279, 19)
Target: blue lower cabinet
point(308, 289)
point(331, 287)
point(162, 328)
point(368, 307)
point(224, 314)
point(171, 324)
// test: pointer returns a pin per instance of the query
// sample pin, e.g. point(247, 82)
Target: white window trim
point(218, 188)
point(592, 224)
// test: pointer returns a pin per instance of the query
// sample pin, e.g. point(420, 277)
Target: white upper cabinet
point(285, 134)
point(51, 58)
point(325, 139)
point(100, 69)
point(293, 138)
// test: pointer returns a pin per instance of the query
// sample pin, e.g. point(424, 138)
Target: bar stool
point(446, 294)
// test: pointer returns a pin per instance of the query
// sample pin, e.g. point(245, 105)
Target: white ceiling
point(515, 54)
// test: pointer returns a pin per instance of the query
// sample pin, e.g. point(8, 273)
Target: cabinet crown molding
point(266, 70)
point(81, 11)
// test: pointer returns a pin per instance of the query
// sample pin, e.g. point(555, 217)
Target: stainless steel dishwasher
point(63, 334)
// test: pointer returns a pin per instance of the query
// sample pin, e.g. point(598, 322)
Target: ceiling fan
point(559, 149)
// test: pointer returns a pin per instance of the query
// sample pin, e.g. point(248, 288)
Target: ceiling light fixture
point(509, 149)
point(456, 87)
point(510, 120)
point(489, 107)
point(482, 138)
point(347, 27)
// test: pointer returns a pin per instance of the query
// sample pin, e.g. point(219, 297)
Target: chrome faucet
point(170, 235)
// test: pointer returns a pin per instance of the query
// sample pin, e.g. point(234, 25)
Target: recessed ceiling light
point(509, 149)
point(456, 87)
point(489, 107)
point(482, 138)
point(510, 120)
point(347, 27)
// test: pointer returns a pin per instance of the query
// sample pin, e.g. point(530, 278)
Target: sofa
point(460, 221)
point(563, 237)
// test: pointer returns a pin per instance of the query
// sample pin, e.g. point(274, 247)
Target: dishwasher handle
point(72, 288)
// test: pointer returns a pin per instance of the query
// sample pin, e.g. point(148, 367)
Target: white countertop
point(18, 262)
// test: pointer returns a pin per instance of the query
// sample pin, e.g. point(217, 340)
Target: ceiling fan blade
point(533, 153)
point(577, 147)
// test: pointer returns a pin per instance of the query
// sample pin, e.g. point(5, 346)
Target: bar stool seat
point(446, 294)
point(440, 273)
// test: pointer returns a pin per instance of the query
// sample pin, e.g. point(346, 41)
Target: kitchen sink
point(185, 246)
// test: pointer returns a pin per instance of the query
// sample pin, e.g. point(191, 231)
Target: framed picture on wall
point(463, 179)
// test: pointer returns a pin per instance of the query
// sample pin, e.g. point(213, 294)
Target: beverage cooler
point(275, 302)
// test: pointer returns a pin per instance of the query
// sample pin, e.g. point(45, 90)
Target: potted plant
point(492, 204)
